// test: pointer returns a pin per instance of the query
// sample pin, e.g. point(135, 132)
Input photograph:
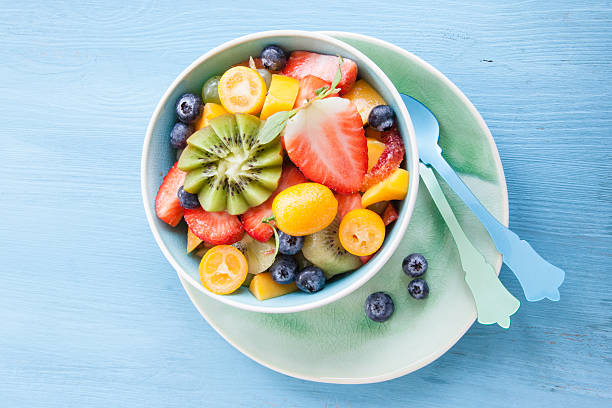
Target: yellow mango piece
point(281, 95)
point(263, 287)
point(375, 149)
point(192, 241)
point(211, 111)
point(393, 187)
point(364, 97)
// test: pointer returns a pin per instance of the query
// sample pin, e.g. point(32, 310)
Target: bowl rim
point(409, 202)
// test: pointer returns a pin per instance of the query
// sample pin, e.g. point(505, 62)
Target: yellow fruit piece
point(304, 209)
point(375, 149)
point(192, 241)
point(364, 97)
point(281, 96)
point(263, 287)
point(361, 232)
point(393, 187)
point(242, 90)
point(211, 111)
point(223, 269)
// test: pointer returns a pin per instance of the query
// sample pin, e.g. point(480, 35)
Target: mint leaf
point(274, 126)
point(335, 82)
point(338, 75)
point(321, 90)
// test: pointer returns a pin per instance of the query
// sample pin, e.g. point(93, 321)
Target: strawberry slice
point(390, 214)
point(167, 206)
point(308, 86)
point(326, 141)
point(303, 63)
point(388, 161)
point(215, 228)
point(251, 219)
point(347, 202)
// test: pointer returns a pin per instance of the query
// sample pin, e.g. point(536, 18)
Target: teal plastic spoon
point(494, 304)
point(539, 278)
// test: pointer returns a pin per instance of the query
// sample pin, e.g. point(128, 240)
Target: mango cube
point(375, 150)
point(192, 241)
point(281, 95)
point(393, 187)
point(211, 111)
point(365, 98)
point(263, 287)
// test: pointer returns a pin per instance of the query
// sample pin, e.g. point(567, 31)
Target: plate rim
point(497, 267)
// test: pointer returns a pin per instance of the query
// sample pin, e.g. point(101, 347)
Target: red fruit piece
point(251, 219)
point(366, 258)
point(388, 161)
point(303, 63)
point(390, 214)
point(308, 85)
point(167, 206)
point(326, 141)
point(215, 228)
point(347, 202)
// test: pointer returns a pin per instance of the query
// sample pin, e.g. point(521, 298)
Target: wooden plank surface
point(91, 313)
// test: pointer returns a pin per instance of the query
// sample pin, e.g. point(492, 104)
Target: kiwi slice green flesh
point(259, 255)
point(323, 249)
point(226, 167)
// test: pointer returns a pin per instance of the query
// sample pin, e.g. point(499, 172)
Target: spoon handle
point(539, 278)
point(494, 304)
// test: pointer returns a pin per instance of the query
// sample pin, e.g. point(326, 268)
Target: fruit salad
point(288, 173)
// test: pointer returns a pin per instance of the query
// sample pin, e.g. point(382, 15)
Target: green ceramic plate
point(336, 342)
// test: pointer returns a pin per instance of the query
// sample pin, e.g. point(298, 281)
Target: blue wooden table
point(92, 315)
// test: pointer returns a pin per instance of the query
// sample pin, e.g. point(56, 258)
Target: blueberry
point(188, 200)
point(310, 279)
point(179, 134)
point(188, 108)
point(288, 244)
point(283, 269)
point(414, 265)
point(379, 306)
point(381, 118)
point(418, 288)
point(273, 58)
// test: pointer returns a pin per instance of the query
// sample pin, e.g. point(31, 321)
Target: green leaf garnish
point(320, 90)
point(334, 84)
point(338, 75)
point(277, 122)
point(274, 126)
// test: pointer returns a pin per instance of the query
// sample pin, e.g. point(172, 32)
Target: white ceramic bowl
point(158, 156)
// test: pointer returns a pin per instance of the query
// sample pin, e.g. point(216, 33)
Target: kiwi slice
point(227, 168)
point(259, 255)
point(323, 249)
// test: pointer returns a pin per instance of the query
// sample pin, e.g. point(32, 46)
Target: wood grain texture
point(93, 315)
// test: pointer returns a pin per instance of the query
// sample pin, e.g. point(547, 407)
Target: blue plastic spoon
point(539, 278)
